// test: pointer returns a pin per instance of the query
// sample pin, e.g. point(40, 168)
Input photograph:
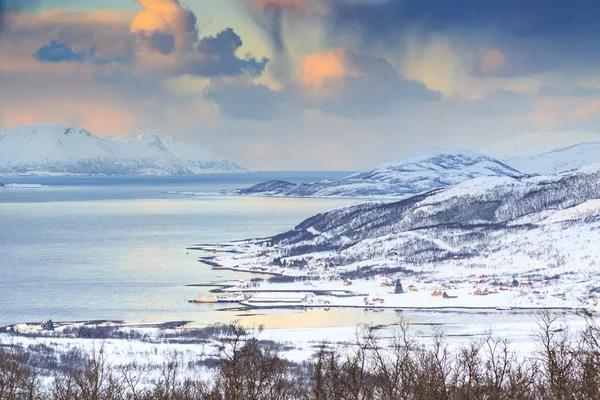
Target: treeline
point(380, 364)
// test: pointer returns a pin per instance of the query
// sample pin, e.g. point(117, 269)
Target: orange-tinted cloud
point(592, 109)
point(318, 67)
point(161, 20)
point(492, 61)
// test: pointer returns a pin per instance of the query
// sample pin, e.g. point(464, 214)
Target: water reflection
point(300, 318)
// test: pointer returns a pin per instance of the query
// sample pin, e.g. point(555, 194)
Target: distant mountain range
point(444, 168)
point(54, 150)
point(420, 173)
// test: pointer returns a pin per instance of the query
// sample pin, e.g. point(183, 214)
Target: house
point(347, 282)
point(413, 288)
point(526, 284)
point(479, 292)
point(447, 296)
point(436, 293)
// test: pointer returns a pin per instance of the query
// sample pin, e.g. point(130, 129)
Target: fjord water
point(115, 248)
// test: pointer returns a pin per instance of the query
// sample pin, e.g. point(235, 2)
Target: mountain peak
point(445, 166)
point(42, 149)
point(44, 130)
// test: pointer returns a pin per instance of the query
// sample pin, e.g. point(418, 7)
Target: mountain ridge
point(49, 149)
point(559, 160)
point(419, 173)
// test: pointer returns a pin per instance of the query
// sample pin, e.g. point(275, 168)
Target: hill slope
point(559, 160)
point(488, 223)
point(420, 173)
point(65, 150)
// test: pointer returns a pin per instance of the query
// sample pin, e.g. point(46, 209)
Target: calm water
point(106, 248)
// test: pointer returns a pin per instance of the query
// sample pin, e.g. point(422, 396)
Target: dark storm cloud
point(553, 33)
point(242, 99)
point(216, 56)
point(13, 6)
point(523, 19)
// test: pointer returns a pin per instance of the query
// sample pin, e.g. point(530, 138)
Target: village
point(315, 283)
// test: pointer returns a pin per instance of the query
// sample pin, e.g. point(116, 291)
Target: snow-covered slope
point(423, 172)
point(48, 149)
point(490, 223)
point(548, 151)
point(534, 143)
point(558, 160)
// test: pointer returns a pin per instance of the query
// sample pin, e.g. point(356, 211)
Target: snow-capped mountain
point(40, 150)
point(548, 151)
point(503, 223)
point(420, 173)
point(559, 160)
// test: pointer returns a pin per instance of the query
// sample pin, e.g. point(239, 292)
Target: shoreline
point(181, 324)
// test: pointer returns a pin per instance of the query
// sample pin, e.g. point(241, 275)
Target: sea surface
point(96, 248)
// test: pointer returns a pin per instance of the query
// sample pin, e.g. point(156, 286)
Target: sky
point(305, 84)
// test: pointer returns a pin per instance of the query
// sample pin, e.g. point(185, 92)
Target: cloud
point(56, 52)
point(554, 34)
point(568, 91)
point(169, 29)
point(162, 42)
point(216, 56)
point(589, 110)
point(337, 82)
point(243, 99)
point(512, 37)
point(492, 61)
point(343, 83)
point(318, 67)
point(13, 7)
point(165, 26)
point(270, 17)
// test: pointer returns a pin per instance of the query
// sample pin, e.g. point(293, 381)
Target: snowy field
point(197, 350)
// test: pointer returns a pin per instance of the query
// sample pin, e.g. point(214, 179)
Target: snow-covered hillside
point(558, 160)
point(538, 142)
point(548, 151)
point(41, 150)
point(491, 224)
point(420, 173)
